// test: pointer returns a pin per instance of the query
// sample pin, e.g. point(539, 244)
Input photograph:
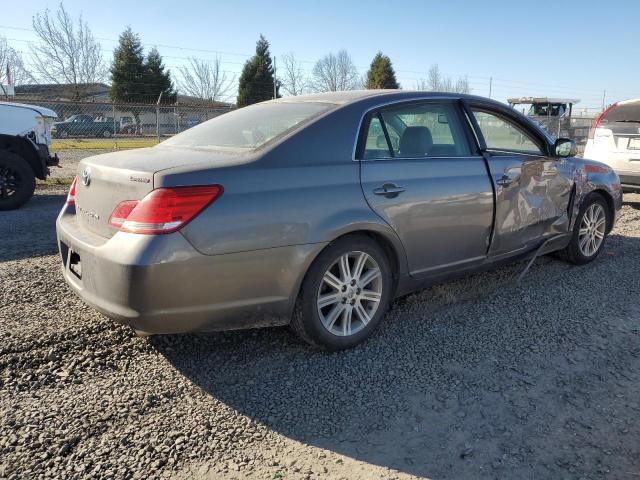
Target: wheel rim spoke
point(345, 270)
point(346, 321)
point(333, 316)
point(331, 280)
point(370, 296)
point(368, 277)
point(359, 265)
point(329, 299)
point(362, 313)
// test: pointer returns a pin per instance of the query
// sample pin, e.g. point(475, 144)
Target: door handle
point(505, 181)
point(389, 190)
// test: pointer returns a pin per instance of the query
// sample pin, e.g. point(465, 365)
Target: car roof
point(352, 96)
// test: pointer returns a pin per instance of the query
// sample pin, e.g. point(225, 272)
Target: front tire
point(344, 295)
point(17, 181)
point(106, 134)
point(589, 232)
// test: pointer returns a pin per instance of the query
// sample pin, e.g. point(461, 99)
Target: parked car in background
point(84, 126)
point(317, 211)
point(25, 135)
point(614, 139)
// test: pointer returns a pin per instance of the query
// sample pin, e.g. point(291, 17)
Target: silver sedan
point(318, 211)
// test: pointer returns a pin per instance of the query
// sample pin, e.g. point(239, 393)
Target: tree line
point(66, 52)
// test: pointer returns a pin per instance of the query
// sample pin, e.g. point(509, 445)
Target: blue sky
point(574, 49)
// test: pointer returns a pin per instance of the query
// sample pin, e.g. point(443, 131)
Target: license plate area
point(634, 144)
point(75, 265)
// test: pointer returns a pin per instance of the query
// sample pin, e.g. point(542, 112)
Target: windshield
point(248, 128)
point(547, 109)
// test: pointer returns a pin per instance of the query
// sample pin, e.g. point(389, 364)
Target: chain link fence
point(104, 125)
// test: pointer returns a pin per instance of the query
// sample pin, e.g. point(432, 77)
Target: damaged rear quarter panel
point(590, 176)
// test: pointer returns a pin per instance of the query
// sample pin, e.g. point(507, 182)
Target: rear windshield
point(626, 112)
point(248, 128)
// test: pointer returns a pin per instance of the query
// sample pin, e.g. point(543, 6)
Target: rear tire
point(17, 181)
point(589, 232)
point(344, 295)
point(106, 134)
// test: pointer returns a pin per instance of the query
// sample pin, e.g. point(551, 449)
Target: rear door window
point(416, 131)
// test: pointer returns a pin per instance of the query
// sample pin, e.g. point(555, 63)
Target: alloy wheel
point(349, 294)
point(592, 229)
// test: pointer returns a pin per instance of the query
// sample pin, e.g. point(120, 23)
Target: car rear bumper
point(161, 284)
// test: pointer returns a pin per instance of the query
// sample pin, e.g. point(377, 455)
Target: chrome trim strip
point(384, 159)
point(516, 153)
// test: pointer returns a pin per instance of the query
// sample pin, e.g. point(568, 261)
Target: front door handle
point(389, 190)
point(505, 181)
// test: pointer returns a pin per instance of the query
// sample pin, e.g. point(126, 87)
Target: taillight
point(596, 123)
point(71, 196)
point(164, 210)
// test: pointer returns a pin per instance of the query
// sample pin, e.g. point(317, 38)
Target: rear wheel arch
point(394, 256)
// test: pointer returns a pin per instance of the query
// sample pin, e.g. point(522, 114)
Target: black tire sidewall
point(28, 181)
point(574, 247)
point(312, 324)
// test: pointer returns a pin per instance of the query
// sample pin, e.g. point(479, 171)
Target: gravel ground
point(475, 378)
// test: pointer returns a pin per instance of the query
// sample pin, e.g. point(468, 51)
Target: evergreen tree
point(135, 79)
point(381, 73)
point(257, 80)
point(158, 80)
point(128, 69)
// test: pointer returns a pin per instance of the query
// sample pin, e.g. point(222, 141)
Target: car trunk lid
point(107, 180)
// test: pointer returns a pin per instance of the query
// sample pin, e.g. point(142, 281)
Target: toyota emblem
point(86, 177)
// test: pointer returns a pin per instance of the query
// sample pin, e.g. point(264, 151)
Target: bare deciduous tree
point(65, 52)
point(11, 60)
point(205, 79)
point(437, 82)
point(294, 80)
point(333, 73)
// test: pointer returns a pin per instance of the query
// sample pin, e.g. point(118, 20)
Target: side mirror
point(565, 147)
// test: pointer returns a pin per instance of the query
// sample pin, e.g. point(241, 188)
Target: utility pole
point(275, 81)
point(490, 85)
point(158, 117)
point(604, 95)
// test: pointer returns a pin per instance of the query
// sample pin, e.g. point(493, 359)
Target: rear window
point(625, 112)
point(250, 127)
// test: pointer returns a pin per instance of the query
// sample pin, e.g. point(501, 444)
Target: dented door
point(532, 193)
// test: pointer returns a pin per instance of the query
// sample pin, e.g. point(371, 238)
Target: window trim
point(365, 120)
point(508, 117)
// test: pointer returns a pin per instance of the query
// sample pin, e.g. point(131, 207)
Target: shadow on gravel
point(479, 377)
point(33, 227)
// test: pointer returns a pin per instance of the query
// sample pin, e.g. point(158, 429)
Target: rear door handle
point(505, 181)
point(389, 190)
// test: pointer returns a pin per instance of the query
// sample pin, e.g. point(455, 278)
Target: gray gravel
point(476, 378)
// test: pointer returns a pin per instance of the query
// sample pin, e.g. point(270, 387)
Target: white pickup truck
point(25, 135)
